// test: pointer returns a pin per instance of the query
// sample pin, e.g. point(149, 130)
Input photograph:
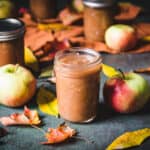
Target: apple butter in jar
point(98, 16)
point(11, 41)
point(77, 83)
point(43, 9)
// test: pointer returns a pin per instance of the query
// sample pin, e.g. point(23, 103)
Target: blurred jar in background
point(11, 41)
point(43, 9)
point(98, 16)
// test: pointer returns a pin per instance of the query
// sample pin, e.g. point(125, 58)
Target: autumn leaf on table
point(30, 60)
point(47, 102)
point(130, 139)
point(58, 135)
point(142, 70)
point(109, 71)
point(28, 117)
point(52, 26)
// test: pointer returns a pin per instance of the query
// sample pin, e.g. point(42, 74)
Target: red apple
point(17, 85)
point(121, 37)
point(126, 94)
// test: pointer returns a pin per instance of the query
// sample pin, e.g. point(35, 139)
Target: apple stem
point(16, 67)
point(122, 73)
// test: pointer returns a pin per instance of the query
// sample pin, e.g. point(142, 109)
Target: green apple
point(6, 8)
point(121, 37)
point(126, 94)
point(17, 85)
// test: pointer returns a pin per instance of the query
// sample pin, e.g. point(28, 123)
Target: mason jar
point(98, 16)
point(77, 73)
point(11, 41)
point(43, 9)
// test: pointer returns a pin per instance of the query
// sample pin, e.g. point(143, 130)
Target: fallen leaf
point(58, 135)
point(130, 139)
point(109, 71)
point(28, 117)
point(146, 38)
point(52, 26)
point(127, 11)
point(30, 60)
point(46, 72)
point(68, 17)
point(47, 102)
point(142, 70)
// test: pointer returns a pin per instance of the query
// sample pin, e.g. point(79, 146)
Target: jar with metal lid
point(43, 9)
point(98, 16)
point(11, 41)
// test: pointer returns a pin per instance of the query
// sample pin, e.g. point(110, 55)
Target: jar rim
point(81, 51)
point(98, 3)
point(11, 28)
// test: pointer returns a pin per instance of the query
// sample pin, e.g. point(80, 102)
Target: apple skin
point(17, 85)
point(121, 37)
point(7, 9)
point(126, 95)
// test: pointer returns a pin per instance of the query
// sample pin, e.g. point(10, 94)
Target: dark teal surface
point(98, 134)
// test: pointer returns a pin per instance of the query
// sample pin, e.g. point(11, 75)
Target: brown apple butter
point(43, 9)
point(11, 41)
point(77, 83)
point(98, 16)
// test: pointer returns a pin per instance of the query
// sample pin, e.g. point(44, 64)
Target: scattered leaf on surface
point(109, 71)
point(30, 60)
point(47, 102)
point(46, 72)
point(52, 26)
point(130, 139)
point(142, 70)
point(146, 38)
point(28, 117)
point(58, 135)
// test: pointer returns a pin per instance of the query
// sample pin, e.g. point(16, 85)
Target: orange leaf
point(58, 135)
point(28, 117)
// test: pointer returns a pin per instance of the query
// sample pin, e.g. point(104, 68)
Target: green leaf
point(130, 139)
point(47, 102)
point(46, 72)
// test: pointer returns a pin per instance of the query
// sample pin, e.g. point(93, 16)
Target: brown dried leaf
point(58, 135)
point(68, 17)
point(28, 117)
point(73, 31)
point(142, 70)
point(127, 11)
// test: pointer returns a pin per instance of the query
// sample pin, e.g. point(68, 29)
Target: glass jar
point(11, 41)
point(43, 9)
point(98, 16)
point(77, 83)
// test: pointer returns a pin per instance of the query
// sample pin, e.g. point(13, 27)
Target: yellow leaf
point(52, 26)
point(109, 71)
point(30, 60)
point(130, 139)
point(146, 38)
point(47, 102)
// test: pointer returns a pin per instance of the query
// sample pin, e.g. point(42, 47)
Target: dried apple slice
point(28, 117)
